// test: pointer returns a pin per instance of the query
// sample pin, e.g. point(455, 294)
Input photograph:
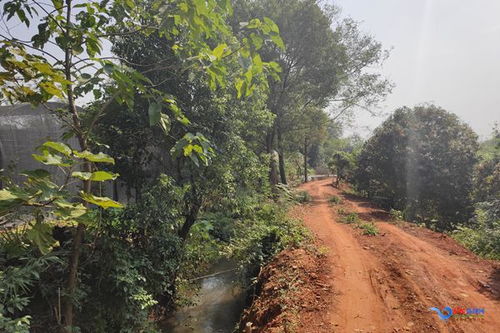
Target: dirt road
point(388, 282)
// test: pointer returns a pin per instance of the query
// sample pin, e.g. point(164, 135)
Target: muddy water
point(218, 306)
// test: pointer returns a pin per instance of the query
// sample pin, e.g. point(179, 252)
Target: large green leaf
point(36, 174)
point(97, 158)
point(154, 112)
point(48, 158)
point(97, 176)
point(69, 211)
point(103, 202)
point(41, 235)
point(59, 147)
point(9, 200)
point(6, 195)
point(219, 51)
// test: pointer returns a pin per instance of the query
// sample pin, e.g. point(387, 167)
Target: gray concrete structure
point(22, 129)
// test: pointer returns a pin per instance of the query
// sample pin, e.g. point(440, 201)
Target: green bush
point(421, 161)
point(351, 218)
point(483, 238)
point(302, 197)
point(396, 215)
point(261, 234)
point(369, 229)
point(335, 200)
point(17, 278)
point(133, 263)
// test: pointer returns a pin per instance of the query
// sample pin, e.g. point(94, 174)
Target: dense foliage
point(179, 118)
point(325, 64)
point(192, 112)
point(482, 234)
point(421, 161)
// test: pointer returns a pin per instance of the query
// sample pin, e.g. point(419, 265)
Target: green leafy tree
point(324, 63)
point(64, 59)
point(482, 233)
point(421, 161)
point(342, 164)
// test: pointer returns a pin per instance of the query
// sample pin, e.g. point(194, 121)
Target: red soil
point(383, 283)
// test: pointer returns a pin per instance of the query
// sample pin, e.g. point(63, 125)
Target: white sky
point(444, 51)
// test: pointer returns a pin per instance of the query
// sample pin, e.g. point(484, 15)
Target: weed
point(351, 218)
point(322, 251)
point(302, 197)
point(396, 215)
point(335, 200)
point(369, 229)
point(341, 211)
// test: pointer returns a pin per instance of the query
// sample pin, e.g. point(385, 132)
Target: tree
point(63, 60)
point(421, 161)
point(342, 164)
point(323, 64)
point(310, 132)
point(482, 233)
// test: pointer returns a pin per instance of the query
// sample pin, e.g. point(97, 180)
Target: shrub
point(369, 229)
point(483, 238)
point(135, 261)
point(335, 200)
point(421, 161)
point(396, 215)
point(302, 197)
point(262, 233)
point(351, 218)
point(16, 283)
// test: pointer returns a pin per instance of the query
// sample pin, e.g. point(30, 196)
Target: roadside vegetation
point(187, 124)
point(369, 229)
point(428, 167)
point(335, 200)
point(189, 121)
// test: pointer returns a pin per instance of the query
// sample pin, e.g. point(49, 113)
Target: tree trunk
point(193, 210)
point(305, 160)
point(72, 279)
point(190, 220)
point(281, 159)
point(273, 172)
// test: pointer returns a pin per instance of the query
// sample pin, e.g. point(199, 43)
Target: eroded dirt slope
point(387, 283)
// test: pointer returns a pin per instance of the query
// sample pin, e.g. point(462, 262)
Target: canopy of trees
point(199, 109)
point(189, 102)
point(421, 161)
point(324, 64)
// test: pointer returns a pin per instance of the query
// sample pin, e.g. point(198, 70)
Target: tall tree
point(421, 161)
point(324, 63)
point(64, 60)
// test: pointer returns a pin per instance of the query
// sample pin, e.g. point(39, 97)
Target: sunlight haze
point(443, 51)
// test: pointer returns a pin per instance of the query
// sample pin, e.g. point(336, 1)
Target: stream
point(217, 308)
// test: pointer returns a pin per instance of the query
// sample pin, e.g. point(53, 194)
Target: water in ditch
point(218, 307)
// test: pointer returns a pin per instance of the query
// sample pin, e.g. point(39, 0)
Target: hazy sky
point(444, 51)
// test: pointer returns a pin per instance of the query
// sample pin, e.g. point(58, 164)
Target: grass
point(302, 197)
point(369, 229)
point(335, 200)
point(352, 217)
point(396, 215)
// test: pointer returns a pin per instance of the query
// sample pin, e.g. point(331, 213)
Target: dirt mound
point(292, 289)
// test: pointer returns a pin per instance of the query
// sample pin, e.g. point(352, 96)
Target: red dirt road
point(388, 282)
